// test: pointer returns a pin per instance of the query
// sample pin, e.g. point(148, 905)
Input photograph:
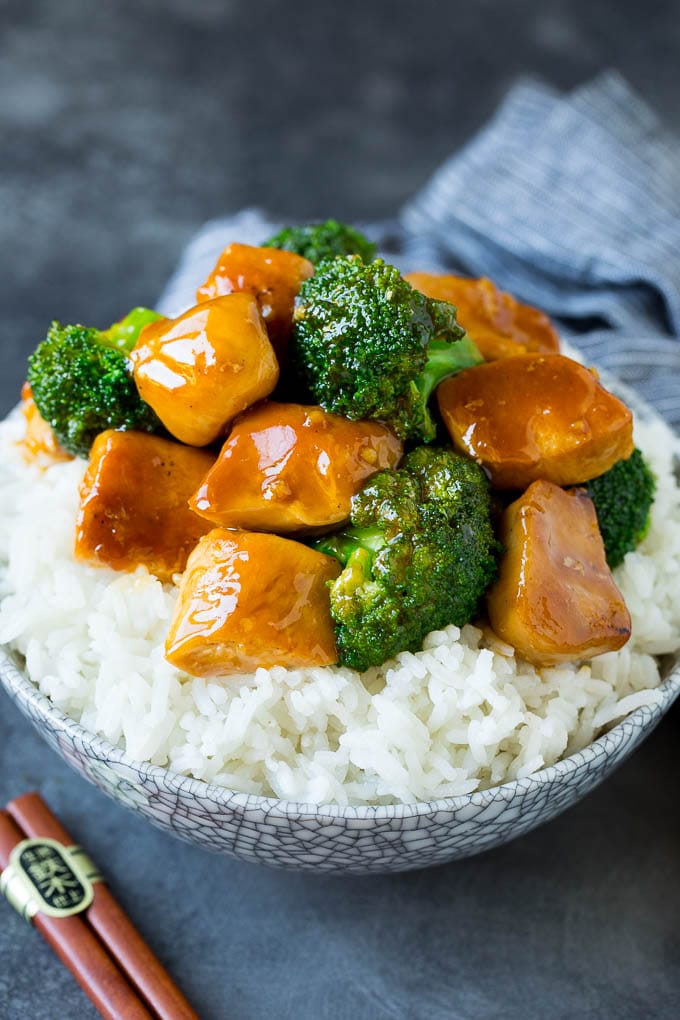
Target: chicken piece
point(273, 277)
point(500, 325)
point(286, 468)
point(249, 600)
point(200, 370)
point(133, 503)
point(39, 443)
point(555, 599)
point(536, 416)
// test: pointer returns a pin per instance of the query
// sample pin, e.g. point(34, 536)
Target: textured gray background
point(124, 125)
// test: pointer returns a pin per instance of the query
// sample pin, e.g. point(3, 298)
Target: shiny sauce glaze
point(273, 277)
point(39, 443)
point(247, 600)
point(555, 599)
point(200, 370)
point(134, 503)
point(291, 467)
point(536, 416)
point(500, 325)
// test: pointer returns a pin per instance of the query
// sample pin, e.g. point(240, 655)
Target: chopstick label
point(43, 876)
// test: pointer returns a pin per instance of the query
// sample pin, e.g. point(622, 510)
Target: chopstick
point(138, 969)
point(80, 950)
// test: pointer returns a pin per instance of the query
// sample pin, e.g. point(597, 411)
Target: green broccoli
point(419, 555)
point(368, 345)
point(623, 497)
point(82, 386)
point(319, 241)
point(124, 334)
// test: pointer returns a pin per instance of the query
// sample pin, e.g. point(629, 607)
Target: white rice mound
point(460, 715)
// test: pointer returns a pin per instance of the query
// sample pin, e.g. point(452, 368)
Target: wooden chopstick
point(80, 950)
point(108, 920)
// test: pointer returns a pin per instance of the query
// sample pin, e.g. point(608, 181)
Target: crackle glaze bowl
point(333, 838)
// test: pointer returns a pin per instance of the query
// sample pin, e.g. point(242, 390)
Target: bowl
point(333, 838)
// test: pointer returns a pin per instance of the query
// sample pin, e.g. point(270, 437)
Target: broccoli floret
point(368, 345)
point(124, 334)
point(82, 386)
point(419, 555)
point(319, 241)
point(623, 497)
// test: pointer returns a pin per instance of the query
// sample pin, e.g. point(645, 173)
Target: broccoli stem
point(356, 544)
point(357, 571)
point(123, 335)
point(444, 359)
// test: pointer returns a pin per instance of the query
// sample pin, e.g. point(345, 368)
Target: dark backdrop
point(125, 124)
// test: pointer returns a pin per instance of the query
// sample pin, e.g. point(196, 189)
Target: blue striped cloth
point(571, 203)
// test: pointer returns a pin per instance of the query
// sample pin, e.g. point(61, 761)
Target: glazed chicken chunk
point(288, 467)
point(536, 416)
point(249, 600)
point(500, 325)
point(200, 370)
point(39, 443)
point(555, 599)
point(273, 277)
point(133, 503)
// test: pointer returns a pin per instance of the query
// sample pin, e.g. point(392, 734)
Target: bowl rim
point(643, 719)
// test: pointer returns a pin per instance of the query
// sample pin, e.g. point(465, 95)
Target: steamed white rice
point(461, 715)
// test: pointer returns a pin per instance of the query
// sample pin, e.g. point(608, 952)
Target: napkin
point(570, 202)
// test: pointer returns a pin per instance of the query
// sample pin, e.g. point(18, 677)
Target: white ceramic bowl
point(332, 838)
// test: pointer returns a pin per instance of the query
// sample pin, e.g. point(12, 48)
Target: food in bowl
point(374, 639)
